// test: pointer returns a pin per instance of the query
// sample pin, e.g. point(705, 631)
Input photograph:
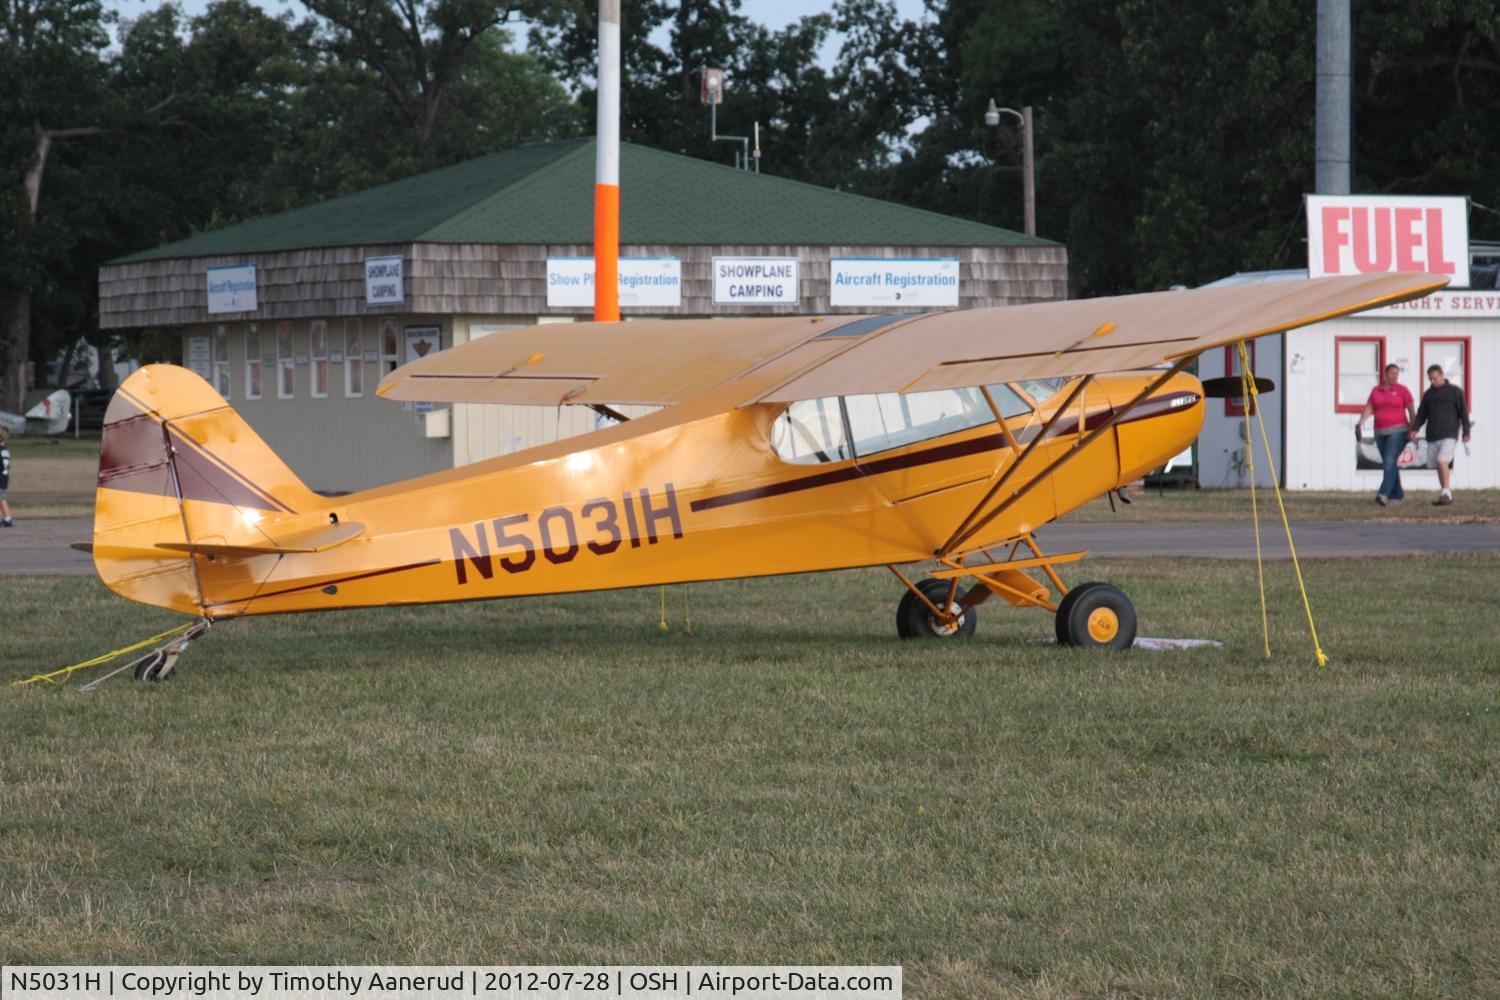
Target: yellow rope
point(66, 672)
point(687, 618)
point(1276, 486)
point(1247, 400)
point(663, 623)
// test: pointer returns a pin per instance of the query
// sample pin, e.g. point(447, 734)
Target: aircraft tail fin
point(184, 481)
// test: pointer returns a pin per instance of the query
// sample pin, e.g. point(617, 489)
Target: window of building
point(221, 360)
point(1237, 407)
point(390, 346)
point(252, 361)
point(1356, 370)
point(1452, 353)
point(317, 336)
point(811, 431)
point(286, 360)
point(354, 359)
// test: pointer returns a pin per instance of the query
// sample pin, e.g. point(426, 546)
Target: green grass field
point(53, 476)
point(558, 781)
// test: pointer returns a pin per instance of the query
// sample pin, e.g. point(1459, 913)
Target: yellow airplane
point(782, 445)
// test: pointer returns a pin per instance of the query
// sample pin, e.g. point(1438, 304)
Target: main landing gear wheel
point(914, 620)
point(1096, 616)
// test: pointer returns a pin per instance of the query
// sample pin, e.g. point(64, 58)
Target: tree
point(448, 88)
point(51, 83)
point(830, 127)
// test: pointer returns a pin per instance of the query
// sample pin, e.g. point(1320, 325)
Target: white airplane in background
point(50, 416)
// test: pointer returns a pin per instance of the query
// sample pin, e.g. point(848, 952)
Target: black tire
point(1065, 607)
point(1096, 616)
point(914, 621)
point(146, 669)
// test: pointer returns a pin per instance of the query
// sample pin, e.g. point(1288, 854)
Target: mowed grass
point(53, 476)
point(558, 781)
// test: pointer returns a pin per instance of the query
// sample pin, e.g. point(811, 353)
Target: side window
point(891, 420)
point(1452, 355)
point(1008, 400)
point(221, 360)
point(317, 336)
point(1356, 370)
point(1237, 407)
point(811, 431)
point(253, 361)
point(286, 373)
point(354, 359)
point(1042, 389)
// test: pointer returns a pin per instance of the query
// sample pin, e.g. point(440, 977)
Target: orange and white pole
point(607, 169)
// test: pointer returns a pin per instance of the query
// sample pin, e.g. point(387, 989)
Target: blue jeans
point(1391, 445)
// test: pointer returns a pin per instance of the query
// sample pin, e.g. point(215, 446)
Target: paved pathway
point(40, 546)
point(1234, 540)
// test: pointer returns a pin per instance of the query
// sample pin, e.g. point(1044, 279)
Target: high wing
point(666, 361)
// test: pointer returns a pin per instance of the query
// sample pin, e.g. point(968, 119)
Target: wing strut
point(964, 528)
point(964, 533)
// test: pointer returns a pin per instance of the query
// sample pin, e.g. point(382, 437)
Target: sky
point(771, 13)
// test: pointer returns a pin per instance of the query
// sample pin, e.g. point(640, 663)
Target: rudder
point(179, 468)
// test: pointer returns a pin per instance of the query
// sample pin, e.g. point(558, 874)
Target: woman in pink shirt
point(1394, 409)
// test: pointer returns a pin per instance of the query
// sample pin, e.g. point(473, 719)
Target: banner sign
point(1367, 234)
point(880, 281)
point(383, 281)
point(644, 281)
point(200, 357)
point(422, 341)
point(1445, 305)
point(755, 281)
point(232, 289)
point(1412, 457)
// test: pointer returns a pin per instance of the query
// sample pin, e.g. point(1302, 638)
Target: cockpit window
point(1042, 389)
point(835, 428)
point(811, 431)
point(890, 420)
point(1008, 400)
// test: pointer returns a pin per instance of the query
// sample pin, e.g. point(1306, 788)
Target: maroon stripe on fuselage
point(942, 453)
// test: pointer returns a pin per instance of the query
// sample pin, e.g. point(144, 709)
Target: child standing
point(5, 521)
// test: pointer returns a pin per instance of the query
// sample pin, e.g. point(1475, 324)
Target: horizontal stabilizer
point(319, 539)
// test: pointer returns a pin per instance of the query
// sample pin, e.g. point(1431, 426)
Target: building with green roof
point(297, 333)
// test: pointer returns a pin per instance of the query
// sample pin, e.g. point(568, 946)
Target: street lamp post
point(1028, 176)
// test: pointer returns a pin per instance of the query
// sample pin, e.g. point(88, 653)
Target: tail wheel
point(159, 666)
point(1096, 616)
point(914, 620)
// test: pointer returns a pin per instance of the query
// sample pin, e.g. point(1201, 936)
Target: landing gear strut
point(1091, 615)
point(919, 619)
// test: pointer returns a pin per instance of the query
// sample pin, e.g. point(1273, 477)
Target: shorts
point(1441, 450)
point(2, 493)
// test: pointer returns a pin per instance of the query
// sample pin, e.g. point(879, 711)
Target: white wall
point(1221, 444)
point(1320, 448)
point(487, 430)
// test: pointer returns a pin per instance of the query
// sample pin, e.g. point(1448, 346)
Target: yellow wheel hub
point(1103, 624)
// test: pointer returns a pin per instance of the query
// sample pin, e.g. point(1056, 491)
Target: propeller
point(1232, 387)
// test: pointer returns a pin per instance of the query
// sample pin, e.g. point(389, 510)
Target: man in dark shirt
point(1444, 410)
